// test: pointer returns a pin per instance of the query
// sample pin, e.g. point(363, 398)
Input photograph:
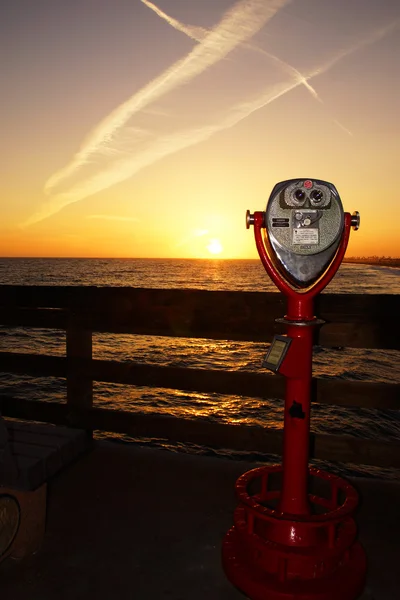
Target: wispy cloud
point(126, 150)
point(196, 233)
point(113, 218)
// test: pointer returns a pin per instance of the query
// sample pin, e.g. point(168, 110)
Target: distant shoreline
point(375, 260)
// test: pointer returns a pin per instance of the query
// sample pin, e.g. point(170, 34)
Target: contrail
point(375, 36)
point(163, 145)
point(198, 34)
point(238, 24)
point(339, 124)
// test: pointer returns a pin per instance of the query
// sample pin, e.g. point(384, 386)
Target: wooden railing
point(358, 321)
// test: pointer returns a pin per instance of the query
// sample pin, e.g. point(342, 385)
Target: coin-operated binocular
point(291, 543)
point(305, 238)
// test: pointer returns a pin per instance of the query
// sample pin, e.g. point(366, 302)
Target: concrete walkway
point(141, 524)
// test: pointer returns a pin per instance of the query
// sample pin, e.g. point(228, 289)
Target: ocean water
point(213, 274)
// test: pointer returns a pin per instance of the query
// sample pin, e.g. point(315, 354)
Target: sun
point(215, 247)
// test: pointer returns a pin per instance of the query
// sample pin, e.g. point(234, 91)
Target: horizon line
point(373, 256)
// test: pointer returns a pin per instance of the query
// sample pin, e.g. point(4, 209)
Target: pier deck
point(130, 522)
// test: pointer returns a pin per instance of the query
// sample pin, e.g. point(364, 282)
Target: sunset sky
point(133, 128)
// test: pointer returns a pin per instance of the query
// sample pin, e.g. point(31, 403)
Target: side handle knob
point(355, 220)
point(249, 219)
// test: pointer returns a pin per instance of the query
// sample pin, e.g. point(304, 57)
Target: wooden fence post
point(8, 466)
point(79, 356)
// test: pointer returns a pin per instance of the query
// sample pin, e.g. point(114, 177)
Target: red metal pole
point(294, 497)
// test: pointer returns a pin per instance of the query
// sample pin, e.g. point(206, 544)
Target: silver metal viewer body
point(304, 221)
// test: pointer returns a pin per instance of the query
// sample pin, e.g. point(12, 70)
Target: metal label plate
point(276, 352)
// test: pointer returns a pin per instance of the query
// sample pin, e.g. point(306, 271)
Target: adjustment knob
point(355, 220)
point(249, 219)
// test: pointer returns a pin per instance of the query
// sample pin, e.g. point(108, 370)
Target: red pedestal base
point(345, 583)
point(272, 555)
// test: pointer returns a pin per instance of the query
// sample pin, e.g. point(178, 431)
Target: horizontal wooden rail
point(357, 320)
point(352, 320)
point(242, 383)
point(206, 433)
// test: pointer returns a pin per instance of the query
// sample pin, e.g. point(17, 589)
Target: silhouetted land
point(385, 261)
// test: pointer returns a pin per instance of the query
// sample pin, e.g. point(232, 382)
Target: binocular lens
point(317, 195)
point(299, 195)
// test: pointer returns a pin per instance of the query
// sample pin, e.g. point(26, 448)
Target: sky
point(133, 128)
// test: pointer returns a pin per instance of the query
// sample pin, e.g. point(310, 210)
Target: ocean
point(212, 274)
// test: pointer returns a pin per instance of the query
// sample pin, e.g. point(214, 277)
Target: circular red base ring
point(346, 583)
